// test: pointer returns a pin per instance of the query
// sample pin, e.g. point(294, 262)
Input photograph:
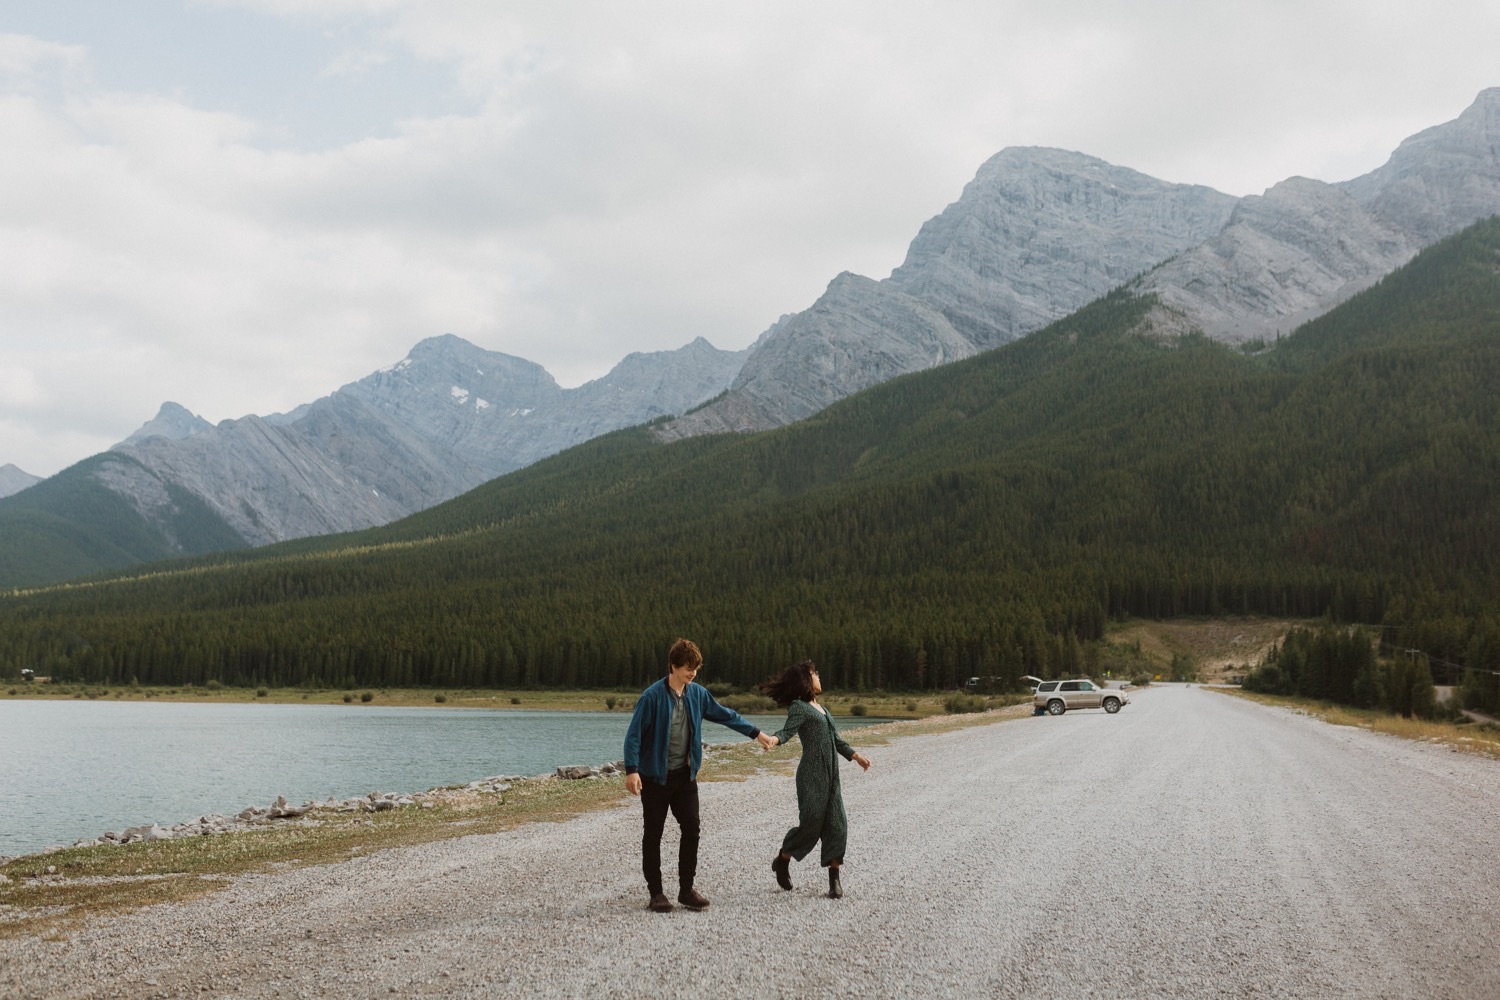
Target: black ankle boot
point(781, 865)
point(835, 887)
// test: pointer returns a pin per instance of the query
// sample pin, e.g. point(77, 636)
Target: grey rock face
point(1304, 247)
point(1443, 178)
point(842, 344)
point(269, 483)
point(1040, 232)
point(14, 480)
point(172, 421)
point(445, 419)
point(1037, 234)
point(1285, 257)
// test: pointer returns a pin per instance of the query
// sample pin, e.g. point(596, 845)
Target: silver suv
point(1056, 697)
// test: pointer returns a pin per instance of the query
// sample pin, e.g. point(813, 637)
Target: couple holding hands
point(664, 749)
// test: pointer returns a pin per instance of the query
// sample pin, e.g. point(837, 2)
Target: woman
point(820, 803)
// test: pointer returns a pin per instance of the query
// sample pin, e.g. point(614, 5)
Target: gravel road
point(1194, 845)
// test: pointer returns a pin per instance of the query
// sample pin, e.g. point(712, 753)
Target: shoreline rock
point(313, 812)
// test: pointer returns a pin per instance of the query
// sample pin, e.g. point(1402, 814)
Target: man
point(663, 751)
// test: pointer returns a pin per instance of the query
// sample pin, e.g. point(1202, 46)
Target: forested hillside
point(73, 525)
point(987, 517)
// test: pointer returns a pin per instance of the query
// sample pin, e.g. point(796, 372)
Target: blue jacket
point(646, 739)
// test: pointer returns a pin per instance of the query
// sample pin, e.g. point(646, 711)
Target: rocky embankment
point(314, 812)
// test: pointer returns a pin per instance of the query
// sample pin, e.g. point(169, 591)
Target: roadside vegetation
point(1462, 735)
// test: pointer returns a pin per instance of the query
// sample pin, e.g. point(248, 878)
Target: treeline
point(986, 518)
point(1339, 664)
point(1458, 648)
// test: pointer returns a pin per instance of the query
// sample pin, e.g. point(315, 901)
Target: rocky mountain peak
point(447, 417)
point(14, 479)
point(1284, 257)
point(1041, 231)
point(451, 370)
point(1442, 179)
point(656, 370)
point(1305, 246)
point(173, 421)
point(1037, 233)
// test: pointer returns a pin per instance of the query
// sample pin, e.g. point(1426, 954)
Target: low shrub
point(367, 697)
point(857, 710)
point(749, 702)
point(959, 703)
point(440, 698)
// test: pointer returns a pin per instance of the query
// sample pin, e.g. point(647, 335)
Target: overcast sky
point(241, 205)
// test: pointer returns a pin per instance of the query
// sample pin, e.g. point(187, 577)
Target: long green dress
point(820, 800)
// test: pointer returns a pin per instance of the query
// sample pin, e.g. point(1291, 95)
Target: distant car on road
point(1056, 697)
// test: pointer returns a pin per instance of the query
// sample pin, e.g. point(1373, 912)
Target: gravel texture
point(1194, 845)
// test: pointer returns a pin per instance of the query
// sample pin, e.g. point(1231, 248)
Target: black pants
point(680, 795)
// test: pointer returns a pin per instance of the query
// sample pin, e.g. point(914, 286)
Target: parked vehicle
point(1056, 697)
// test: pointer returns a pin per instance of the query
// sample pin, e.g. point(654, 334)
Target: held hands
point(767, 741)
point(861, 760)
point(633, 784)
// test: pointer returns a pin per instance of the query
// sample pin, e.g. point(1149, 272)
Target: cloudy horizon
point(241, 205)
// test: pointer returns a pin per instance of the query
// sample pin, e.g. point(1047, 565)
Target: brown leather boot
point(660, 903)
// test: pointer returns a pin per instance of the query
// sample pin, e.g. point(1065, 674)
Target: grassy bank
point(881, 704)
point(1467, 737)
point(48, 893)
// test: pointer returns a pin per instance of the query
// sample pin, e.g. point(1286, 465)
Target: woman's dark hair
point(792, 683)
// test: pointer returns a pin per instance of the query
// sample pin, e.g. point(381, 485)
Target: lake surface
point(71, 770)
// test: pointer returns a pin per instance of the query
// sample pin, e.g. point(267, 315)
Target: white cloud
point(570, 182)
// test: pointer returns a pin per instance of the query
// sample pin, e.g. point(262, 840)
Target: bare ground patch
point(1220, 647)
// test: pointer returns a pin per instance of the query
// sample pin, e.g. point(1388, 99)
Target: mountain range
point(1035, 236)
point(1039, 233)
point(444, 419)
point(990, 517)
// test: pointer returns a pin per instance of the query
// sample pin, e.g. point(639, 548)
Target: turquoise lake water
point(71, 770)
